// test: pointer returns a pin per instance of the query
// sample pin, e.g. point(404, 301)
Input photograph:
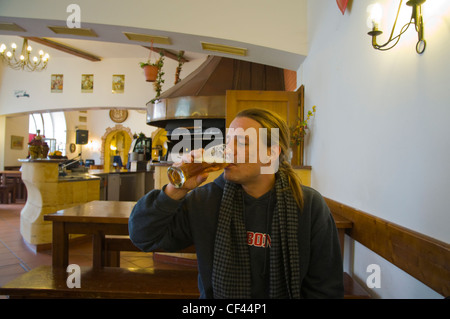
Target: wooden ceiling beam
point(166, 53)
point(65, 48)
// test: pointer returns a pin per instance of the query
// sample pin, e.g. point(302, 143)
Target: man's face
point(246, 165)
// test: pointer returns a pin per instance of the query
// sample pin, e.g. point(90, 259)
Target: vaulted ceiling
point(272, 33)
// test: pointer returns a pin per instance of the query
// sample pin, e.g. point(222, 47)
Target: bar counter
point(48, 193)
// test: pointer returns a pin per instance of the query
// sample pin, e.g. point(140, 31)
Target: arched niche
point(120, 137)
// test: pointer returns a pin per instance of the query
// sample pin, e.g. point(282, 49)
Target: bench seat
point(122, 283)
point(111, 283)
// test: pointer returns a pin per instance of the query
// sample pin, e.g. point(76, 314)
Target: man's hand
point(192, 182)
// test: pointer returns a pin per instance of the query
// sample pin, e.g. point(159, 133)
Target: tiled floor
point(16, 257)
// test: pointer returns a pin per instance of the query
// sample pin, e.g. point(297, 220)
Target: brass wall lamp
point(416, 19)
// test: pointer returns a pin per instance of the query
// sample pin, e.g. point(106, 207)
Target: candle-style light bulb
point(375, 13)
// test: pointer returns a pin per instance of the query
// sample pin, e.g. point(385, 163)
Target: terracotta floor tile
point(7, 259)
point(16, 257)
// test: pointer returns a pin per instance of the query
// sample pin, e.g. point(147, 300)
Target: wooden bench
point(122, 283)
point(112, 283)
point(115, 244)
point(353, 290)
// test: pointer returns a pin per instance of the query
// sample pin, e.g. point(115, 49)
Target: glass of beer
point(213, 159)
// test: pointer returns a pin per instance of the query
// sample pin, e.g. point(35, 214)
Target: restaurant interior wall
point(136, 94)
point(97, 123)
point(17, 126)
point(379, 139)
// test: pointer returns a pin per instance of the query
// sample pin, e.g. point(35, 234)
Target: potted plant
point(298, 131)
point(150, 70)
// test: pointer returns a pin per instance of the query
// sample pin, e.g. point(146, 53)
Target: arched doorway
point(159, 145)
point(115, 142)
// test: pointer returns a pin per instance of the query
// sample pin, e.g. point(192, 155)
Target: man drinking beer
point(257, 231)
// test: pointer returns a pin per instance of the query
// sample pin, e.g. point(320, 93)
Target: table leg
point(112, 258)
point(60, 246)
point(98, 245)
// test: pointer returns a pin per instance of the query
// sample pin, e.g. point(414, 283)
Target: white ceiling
point(279, 41)
point(104, 50)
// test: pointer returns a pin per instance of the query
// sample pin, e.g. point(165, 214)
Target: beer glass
point(213, 159)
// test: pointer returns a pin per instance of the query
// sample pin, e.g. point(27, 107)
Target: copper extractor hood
point(201, 95)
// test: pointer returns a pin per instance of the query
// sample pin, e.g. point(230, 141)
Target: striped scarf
point(231, 276)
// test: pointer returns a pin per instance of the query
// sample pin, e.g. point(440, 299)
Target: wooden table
point(98, 218)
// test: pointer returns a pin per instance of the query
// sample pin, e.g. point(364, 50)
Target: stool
point(5, 190)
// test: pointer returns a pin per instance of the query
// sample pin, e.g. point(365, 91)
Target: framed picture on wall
point(87, 83)
point(72, 148)
point(118, 83)
point(57, 83)
point(16, 142)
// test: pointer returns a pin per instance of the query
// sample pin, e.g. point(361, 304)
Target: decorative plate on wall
point(118, 116)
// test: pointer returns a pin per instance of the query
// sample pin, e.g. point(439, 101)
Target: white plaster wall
point(17, 126)
point(37, 84)
point(379, 141)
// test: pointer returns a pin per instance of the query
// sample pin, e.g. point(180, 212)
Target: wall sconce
point(416, 19)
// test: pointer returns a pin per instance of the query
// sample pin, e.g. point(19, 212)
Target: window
point(52, 126)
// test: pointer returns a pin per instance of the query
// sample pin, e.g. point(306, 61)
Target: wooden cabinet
point(286, 104)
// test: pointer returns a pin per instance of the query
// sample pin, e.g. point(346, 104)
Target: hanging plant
point(159, 77)
point(150, 69)
point(180, 65)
